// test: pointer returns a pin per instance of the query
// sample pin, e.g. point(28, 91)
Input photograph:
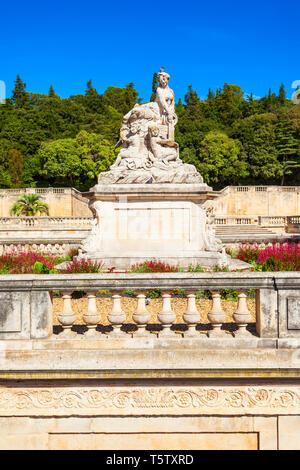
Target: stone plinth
point(136, 222)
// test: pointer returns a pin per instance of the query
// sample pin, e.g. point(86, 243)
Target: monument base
point(138, 222)
point(126, 260)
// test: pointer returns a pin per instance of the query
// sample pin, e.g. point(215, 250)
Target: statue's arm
point(169, 143)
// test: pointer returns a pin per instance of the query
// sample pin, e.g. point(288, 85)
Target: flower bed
point(27, 262)
point(274, 257)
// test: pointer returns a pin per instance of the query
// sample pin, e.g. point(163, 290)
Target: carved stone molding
point(154, 400)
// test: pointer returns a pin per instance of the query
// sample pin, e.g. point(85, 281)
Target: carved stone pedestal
point(136, 222)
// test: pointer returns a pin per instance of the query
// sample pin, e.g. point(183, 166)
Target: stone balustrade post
point(166, 316)
point(216, 315)
point(92, 317)
point(242, 315)
point(141, 316)
point(116, 316)
point(67, 317)
point(191, 316)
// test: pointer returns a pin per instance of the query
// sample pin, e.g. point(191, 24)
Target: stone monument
point(150, 204)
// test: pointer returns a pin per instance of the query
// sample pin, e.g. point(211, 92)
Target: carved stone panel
point(10, 313)
point(14, 315)
point(289, 313)
point(293, 313)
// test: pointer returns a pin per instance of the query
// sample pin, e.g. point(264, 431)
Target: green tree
point(154, 86)
point(59, 162)
point(287, 146)
point(73, 162)
point(230, 103)
point(282, 94)
point(222, 160)
point(90, 90)
point(29, 205)
point(96, 154)
point(257, 135)
point(51, 93)
point(15, 167)
point(121, 99)
point(179, 108)
point(191, 98)
point(19, 95)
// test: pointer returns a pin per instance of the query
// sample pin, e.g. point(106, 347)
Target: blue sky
point(252, 44)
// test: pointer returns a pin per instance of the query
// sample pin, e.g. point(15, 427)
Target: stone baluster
point(191, 316)
point(141, 316)
point(166, 316)
point(116, 316)
point(92, 317)
point(216, 315)
point(67, 317)
point(242, 315)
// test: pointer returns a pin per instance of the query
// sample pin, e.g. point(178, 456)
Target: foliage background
point(234, 139)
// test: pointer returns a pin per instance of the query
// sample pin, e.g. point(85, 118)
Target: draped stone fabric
point(149, 153)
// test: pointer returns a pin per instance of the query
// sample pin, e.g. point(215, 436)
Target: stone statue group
point(149, 153)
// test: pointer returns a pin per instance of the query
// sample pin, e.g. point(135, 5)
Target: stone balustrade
point(86, 222)
point(235, 220)
point(166, 317)
point(27, 307)
point(265, 221)
point(46, 221)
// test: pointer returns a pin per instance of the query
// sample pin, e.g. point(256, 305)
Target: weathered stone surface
point(93, 432)
point(41, 319)
point(289, 312)
point(266, 313)
point(14, 315)
point(167, 222)
point(149, 153)
point(289, 432)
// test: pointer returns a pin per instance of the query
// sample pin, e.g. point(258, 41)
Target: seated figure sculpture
point(162, 149)
point(149, 153)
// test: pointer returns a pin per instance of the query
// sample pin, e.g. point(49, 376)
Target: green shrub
point(203, 294)
point(154, 294)
point(130, 293)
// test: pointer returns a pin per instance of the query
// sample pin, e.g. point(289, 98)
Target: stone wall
point(61, 201)
point(149, 389)
point(234, 201)
point(152, 415)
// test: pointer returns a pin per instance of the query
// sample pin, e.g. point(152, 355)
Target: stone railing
point(236, 220)
point(82, 221)
point(261, 188)
point(264, 221)
point(272, 220)
point(26, 307)
point(46, 221)
point(293, 224)
point(10, 191)
point(55, 247)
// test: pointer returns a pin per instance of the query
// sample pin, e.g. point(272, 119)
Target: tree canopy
point(46, 140)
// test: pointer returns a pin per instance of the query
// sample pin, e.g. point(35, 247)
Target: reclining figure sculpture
point(149, 153)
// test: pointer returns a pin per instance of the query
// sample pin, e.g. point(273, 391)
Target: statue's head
point(134, 128)
point(163, 78)
point(154, 131)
